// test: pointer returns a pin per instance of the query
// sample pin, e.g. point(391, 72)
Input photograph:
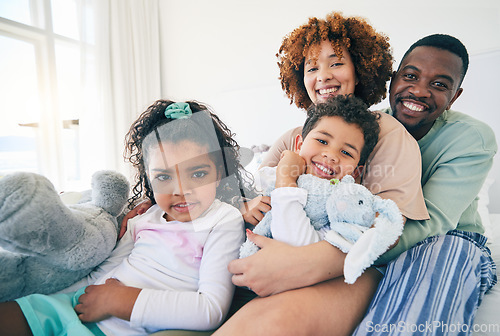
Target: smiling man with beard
point(446, 268)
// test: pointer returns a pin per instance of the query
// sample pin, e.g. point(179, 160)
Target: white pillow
point(482, 208)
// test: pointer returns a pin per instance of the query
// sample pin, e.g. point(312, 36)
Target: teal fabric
point(178, 111)
point(457, 154)
point(55, 315)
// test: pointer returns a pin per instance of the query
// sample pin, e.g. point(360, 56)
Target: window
point(45, 66)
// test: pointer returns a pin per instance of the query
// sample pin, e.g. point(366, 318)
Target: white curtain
point(128, 78)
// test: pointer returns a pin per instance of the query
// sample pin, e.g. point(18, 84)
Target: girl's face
point(326, 75)
point(184, 179)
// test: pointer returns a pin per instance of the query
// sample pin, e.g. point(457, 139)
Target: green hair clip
point(178, 111)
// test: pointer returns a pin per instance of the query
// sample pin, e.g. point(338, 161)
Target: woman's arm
point(279, 267)
point(286, 141)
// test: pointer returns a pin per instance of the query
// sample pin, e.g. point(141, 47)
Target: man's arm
point(450, 187)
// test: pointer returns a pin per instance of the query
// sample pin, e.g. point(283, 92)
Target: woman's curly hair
point(370, 52)
point(146, 131)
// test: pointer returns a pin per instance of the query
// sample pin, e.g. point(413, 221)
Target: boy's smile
point(332, 149)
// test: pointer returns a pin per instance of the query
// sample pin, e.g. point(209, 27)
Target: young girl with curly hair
point(170, 268)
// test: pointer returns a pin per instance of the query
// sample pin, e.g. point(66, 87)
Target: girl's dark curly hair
point(370, 52)
point(353, 111)
point(232, 187)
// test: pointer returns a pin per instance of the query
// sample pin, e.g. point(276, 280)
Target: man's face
point(426, 84)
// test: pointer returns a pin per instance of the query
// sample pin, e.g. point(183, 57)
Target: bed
point(487, 320)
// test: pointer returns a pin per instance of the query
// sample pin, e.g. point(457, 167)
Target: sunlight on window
point(64, 17)
point(42, 87)
point(16, 10)
point(19, 103)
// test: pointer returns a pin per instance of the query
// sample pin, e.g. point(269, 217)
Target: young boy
point(337, 138)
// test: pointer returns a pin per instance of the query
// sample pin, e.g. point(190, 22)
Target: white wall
point(222, 52)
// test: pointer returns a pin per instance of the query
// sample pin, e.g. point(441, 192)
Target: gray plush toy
point(47, 245)
point(360, 224)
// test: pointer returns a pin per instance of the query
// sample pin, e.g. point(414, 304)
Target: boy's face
point(332, 149)
point(184, 179)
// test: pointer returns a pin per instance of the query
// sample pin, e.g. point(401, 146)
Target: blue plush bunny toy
point(361, 224)
point(46, 246)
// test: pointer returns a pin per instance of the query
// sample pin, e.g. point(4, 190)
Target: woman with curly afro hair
point(352, 40)
point(320, 59)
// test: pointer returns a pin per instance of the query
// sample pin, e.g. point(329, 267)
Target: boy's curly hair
point(353, 111)
point(232, 187)
point(370, 52)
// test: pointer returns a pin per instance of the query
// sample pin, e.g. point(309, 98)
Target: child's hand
point(138, 210)
point(103, 301)
point(253, 211)
point(290, 167)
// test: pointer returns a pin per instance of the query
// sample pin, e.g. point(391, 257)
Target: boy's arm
point(290, 167)
point(290, 223)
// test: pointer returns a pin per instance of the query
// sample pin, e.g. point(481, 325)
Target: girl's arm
point(207, 307)
point(156, 309)
point(109, 299)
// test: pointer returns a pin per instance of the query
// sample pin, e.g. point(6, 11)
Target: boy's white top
point(289, 223)
point(181, 266)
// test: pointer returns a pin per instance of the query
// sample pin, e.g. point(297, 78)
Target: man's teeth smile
point(324, 169)
point(328, 91)
point(413, 107)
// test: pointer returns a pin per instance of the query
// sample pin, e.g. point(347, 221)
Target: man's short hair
point(444, 42)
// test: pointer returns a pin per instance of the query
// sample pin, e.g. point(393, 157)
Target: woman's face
point(327, 75)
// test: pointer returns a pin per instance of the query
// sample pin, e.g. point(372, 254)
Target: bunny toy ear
point(348, 179)
point(388, 209)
